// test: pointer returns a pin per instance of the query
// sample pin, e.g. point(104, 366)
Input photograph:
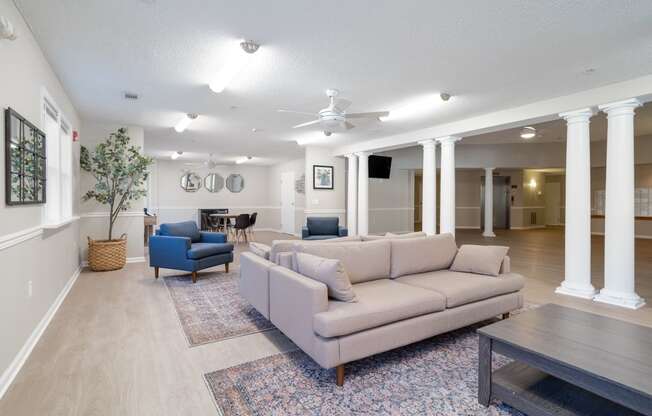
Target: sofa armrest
point(254, 281)
point(305, 233)
point(209, 237)
point(505, 266)
point(285, 259)
point(168, 251)
point(343, 231)
point(293, 301)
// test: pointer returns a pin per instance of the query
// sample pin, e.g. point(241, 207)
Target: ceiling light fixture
point(243, 160)
point(185, 122)
point(418, 106)
point(175, 155)
point(528, 132)
point(235, 64)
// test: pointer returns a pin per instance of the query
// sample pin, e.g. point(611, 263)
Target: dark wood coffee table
point(567, 362)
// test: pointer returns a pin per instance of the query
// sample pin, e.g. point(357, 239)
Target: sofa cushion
point(372, 237)
point(181, 229)
point(419, 255)
point(417, 234)
point(260, 249)
point(201, 250)
point(363, 261)
point(462, 288)
point(379, 303)
point(328, 271)
point(479, 259)
point(323, 225)
point(280, 246)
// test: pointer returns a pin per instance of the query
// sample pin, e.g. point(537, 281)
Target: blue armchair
point(322, 228)
point(181, 246)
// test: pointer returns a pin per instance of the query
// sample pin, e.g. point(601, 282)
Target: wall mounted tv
point(380, 166)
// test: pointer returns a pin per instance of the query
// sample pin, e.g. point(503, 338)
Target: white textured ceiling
point(380, 53)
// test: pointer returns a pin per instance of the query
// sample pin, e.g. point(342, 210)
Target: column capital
point(578, 116)
point(429, 142)
point(448, 139)
point(620, 107)
point(488, 170)
point(363, 154)
point(351, 155)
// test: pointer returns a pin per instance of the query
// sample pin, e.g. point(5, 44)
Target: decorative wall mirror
point(235, 183)
point(213, 182)
point(24, 161)
point(190, 182)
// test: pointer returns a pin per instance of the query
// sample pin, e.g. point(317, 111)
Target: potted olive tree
point(120, 173)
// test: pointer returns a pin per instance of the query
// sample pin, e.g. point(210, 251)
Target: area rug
point(212, 309)
point(437, 376)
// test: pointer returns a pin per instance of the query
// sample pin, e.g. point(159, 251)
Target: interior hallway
point(116, 346)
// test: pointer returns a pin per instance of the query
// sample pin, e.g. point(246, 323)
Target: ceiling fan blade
point(348, 125)
point(296, 112)
point(376, 114)
point(310, 123)
point(342, 104)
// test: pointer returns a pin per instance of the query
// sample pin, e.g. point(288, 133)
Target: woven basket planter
point(104, 255)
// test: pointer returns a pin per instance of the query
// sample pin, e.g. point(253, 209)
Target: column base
point(584, 292)
point(485, 234)
point(625, 300)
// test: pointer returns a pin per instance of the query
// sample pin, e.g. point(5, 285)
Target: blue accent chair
point(323, 228)
point(181, 246)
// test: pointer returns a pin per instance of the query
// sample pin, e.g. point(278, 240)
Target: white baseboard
point(84, 263)
point(12, 371)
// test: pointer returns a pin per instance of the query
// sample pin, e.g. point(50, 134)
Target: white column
point(352, 195)
point(447, 204)
point(488, 203)
point(577, 275)
point(429, 193)
point(619, 278)
point(363, 193)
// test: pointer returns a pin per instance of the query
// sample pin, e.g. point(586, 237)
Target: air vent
point(131, 96)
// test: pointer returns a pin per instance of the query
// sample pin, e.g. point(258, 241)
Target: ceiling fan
point(208, 163)
point(334, 118)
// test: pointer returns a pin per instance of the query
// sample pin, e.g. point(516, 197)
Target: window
point(58, 147)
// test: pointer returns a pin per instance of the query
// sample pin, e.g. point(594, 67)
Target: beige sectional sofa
point(405, 293)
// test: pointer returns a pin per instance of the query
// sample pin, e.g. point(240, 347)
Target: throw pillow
point(479, 259)
point(328, 271)
point(260, 249)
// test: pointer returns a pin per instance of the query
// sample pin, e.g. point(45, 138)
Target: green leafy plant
point(120, 172)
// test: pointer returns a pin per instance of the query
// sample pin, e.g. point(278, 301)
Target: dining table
point(222, 219)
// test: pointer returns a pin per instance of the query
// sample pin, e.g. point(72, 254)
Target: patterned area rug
point(437, 376)
point(212, 309)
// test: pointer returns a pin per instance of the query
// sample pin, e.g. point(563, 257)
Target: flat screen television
point(380, 166)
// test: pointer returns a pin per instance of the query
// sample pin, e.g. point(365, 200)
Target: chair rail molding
point(10, 240)
point(103, 214)
point(325, 211)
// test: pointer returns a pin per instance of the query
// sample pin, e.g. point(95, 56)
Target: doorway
point(553, 203)
point(501, 202)
point(287, 202)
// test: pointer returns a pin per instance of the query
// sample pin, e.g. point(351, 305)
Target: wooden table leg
point(484, 370)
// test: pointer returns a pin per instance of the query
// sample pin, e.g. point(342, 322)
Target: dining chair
point(240, 227)
point(252, 223)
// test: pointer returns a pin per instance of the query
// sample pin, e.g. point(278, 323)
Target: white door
point(553, 203)
point(287, 202)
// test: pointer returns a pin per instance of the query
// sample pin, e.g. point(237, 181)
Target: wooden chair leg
point(194, 277)
point(156, 272)
point(340, 375)
point(226, 267)
point(506, 315)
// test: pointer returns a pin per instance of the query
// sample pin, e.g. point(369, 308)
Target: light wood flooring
point(116, 347)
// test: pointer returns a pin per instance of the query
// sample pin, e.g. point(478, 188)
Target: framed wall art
point(322, 177)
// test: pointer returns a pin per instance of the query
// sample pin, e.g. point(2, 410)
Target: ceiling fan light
point(243, 160)
point(184, 122)
point(236, 63)
point(175, 155)
point(528, 132)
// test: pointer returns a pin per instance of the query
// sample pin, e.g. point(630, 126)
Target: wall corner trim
point(19, 360)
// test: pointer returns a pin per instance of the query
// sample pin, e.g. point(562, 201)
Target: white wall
point(94, 221)
point(298, 167)
point(391, 202)
point(49, 259)
point(322, 202)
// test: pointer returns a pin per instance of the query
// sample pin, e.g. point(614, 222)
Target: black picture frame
point(325, 182)
point(25, 161)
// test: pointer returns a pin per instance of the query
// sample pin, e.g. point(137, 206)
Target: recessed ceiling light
point(185, 122)
point(239, 59)
point(417, 106)
point(528, 132)
point(243, 159)
point(175, 155)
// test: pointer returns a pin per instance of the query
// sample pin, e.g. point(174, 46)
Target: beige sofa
point(405, 291)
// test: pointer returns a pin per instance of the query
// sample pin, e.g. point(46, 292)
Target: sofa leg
point(226, 267)
point(506, 315)
point(194, 277)
point(340, 375)
point(156, 272)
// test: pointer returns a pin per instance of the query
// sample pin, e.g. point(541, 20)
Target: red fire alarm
point(75, 135)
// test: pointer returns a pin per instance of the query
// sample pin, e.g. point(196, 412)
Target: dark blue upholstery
point(182, 246)
point(182, 229)
point(322, 228)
